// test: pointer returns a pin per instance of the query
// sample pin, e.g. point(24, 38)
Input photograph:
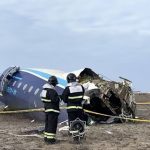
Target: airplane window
point(30, 89)
point(25, 86)
point(36, 91)
point(14, 83)
point(19, 84)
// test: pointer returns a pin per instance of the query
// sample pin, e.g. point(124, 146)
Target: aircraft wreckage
point(21, 88)
point(108, 97)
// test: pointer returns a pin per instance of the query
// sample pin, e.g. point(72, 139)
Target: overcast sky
point(109, 36)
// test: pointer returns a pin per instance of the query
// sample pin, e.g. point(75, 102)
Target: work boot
point(51, 141)
point(45, 139)
point(69, 134)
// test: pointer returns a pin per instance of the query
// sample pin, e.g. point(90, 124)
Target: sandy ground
point(15, 134)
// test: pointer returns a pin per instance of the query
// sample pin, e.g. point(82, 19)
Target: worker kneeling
point(73, 96)
point(50, 98)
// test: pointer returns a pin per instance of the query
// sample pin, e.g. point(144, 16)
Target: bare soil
point(16, 133)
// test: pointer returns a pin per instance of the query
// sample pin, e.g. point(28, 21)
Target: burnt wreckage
point(108, 97)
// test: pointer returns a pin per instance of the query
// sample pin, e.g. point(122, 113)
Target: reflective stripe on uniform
point(75, 97)
point(52, 110)
point(75, 89)
point(74, 107)
point(45, 100)
point(49, 135)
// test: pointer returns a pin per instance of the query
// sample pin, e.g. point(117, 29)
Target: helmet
point(71, 77)
point(53, 80)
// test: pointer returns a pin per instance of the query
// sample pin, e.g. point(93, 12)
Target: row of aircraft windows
point(25, 86)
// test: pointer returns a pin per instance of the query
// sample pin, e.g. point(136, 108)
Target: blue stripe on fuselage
point(18, 78)
point(46, 75)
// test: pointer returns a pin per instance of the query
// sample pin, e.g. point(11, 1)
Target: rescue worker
point(50, 98)
point(73, 96)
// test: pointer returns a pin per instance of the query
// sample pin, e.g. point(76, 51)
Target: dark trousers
point(51, 119)
point(72, 115)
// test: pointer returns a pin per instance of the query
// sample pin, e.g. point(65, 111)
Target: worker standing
point(50, 98)
point(73, 96)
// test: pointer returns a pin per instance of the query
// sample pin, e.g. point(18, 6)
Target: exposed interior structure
point(108, 97)
point(6, 76)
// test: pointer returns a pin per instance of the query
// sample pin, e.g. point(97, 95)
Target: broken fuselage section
point(108, 97)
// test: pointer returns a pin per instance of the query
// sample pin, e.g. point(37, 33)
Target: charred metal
point(108, 97)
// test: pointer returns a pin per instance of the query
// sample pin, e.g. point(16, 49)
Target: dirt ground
point(15, 134)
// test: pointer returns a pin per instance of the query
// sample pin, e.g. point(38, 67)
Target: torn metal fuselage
point(6, 76)
point(108, 97)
